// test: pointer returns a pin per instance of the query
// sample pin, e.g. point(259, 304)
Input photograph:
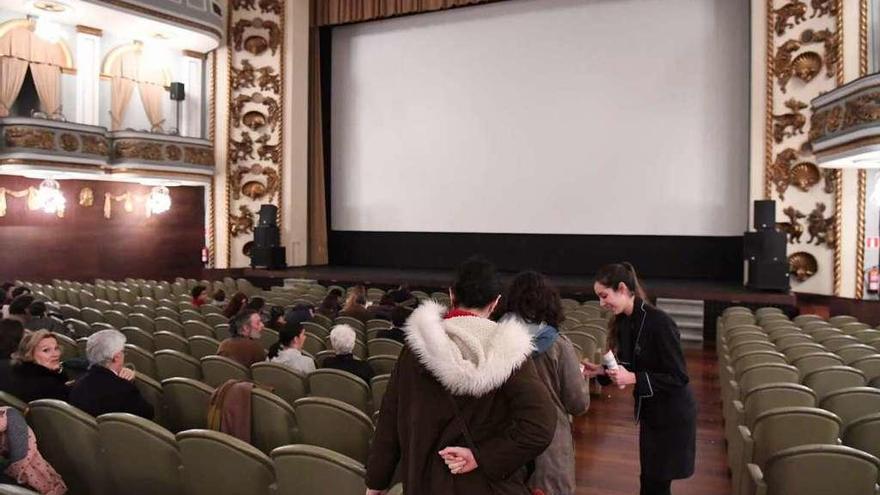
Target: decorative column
point(88, 64)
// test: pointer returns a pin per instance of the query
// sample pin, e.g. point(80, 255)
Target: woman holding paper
point(646, 342)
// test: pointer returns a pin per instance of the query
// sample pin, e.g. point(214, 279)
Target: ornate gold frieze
point(274, 32)
point(69, 142)
point(137, 150)
point(173, 153)
point(198, 155)
point(94, 145)
point(243, 223)
point(29, 137)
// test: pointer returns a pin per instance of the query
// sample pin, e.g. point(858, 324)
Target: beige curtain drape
point(151, 97)
point(12, 72)
point(317, 209)
point(333, 12)
point(47, 80)
point(120, 95)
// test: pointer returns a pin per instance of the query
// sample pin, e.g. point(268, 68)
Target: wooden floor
point(607, 442)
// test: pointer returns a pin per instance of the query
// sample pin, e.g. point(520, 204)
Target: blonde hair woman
point(36, 368)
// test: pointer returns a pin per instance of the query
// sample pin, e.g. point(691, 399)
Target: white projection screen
point(625, 117)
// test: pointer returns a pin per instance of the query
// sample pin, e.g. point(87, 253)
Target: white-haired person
point(342, 339)
point(108, 386)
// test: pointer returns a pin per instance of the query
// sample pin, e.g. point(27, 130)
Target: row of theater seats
point(800, 403)
point(121, 453)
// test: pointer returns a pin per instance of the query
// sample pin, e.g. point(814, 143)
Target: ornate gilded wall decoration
point(86, 197)
point(140, 150)
point(244, 4)
point(805, 175)
point(789, 124)
point(27, 137)
point(780, 170)
point(782, 63)
point(820, 227)
point(829, 41)
point(128, 203)
point(270, 7)
point(268, 151)
point(198, 155)
point(806, 66)
point(793, 11)
point(173, 153)
point(242, 223)
point(254, 189)
point(241, 150)
point(256, 44)
point(268, 80)
point(69, 142)
point(802, 265)
point(822, 8)
point(30, 193)
point(244, 77)
point(271, 26)
point(273, 108)
point(94, 145)
point(828, 175)
point(792, 228)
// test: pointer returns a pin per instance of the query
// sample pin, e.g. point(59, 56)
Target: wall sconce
point(49, 197)
point(159, 200)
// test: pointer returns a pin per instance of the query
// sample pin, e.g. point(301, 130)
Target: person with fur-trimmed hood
point(465, 411)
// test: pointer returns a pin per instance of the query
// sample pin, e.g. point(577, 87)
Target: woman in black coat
point(646, 343)
point(36, 368)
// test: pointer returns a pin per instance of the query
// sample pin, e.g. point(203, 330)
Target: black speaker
point(177, 91)
point(272, 257)
point(267, 236)
point(765, 214)
point(764, 245)
point(769, 275)
point(268, 214)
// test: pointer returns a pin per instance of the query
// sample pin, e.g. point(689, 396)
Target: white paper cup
point(609, 361)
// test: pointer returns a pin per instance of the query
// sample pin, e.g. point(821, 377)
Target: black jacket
point(100, 391)
point(391, 333)
point(347, 362)
point(648, 345)
point(30, 381)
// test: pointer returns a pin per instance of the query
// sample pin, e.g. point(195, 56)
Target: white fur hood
point(468, 355)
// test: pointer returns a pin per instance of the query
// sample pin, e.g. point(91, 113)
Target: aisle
point(606, 439)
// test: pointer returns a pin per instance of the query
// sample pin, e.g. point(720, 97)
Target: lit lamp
point(159, 200)
point(49, 197)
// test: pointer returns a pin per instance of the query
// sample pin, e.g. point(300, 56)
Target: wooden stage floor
point(607, 440)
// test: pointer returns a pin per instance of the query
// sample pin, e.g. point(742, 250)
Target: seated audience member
point(300, 313)
point(219, 298)
point(342, 339)
point(355, 305)
point(39, 320)
point(290, 344)
point(11, 332)
point(276, 319)
point(398, 319)
point(382, 310)
point(236, 304)
point(36, 368)
point(108, 386)
point(21, 460)
point(199, 295)
point(244, 346)
point(330, 306)
point(401, 294)
point(256, 304)
point(18, 308)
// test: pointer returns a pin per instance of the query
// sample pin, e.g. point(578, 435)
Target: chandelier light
point(49, 197)
point(159, 200)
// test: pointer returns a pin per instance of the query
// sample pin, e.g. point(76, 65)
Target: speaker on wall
point(765, 214)
point(177, 91)
point(765, 251)
point(267, 251)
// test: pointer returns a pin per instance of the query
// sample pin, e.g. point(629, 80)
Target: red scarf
point(456, 312)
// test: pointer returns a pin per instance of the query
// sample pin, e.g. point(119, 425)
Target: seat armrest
point(757, 486)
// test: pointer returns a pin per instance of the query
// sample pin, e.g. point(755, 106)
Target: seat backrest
point(786, 340)
point(7, 399)
point(268, 338)
point(285, 382)
point(823, 381)
point(863, 433)
point(142, 360)
point(217, 369)
point(820, 470)
point(15, 490)
point(378, 385)
point(340, 385)
point(91, 315)
point(358, 325)
point(869, 365)
point(202, 345)
point(189, 314)
point(170, 312)
point(852, 403)
point(193, 328)
point(772, 395)
point(142, 321)
point(172, 341)
point(745, 347)
point(68, 439)
point(186, 403)
point(867, 335)
point(127, 441)
point(170, 364)
point(784, 427)
point(69, 349)
point(115, 318)
point(321, 356)
point(842, 320)
point(139, 337)
point(273, 422)
point(806, 318)
point(835, 343)
point(314, 344)
point(317, 329)
point(388, 347)
point(334, 425)
point(752, 336)
point(151, 391)
point(815, 360)
point(854, 352)
point(799, 349)
point(820, 334)
point(767, 373)
point(214, 319)
point(163, 323)
point(310, 469)
point(744, 361)
point(382, 364)
point(218, 464)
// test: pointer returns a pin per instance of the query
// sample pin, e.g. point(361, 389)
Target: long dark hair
point(239, 299)
point(612, 276)
point(533, 299)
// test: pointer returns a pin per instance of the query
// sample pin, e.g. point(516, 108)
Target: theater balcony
point(109, 89)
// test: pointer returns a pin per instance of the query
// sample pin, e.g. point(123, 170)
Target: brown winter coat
point(486, 368)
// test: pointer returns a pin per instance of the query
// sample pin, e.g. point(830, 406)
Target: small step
point(687, 315)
